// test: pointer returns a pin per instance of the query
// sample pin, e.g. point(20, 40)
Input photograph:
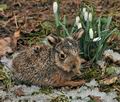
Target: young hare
point(50, 66)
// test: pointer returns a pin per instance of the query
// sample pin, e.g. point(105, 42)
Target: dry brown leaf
point(19, 92)
point(5, 46)
point(8, 44)
point(96, 98)
point(108, 81)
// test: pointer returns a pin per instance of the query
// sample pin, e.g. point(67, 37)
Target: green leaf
point(108, 22)
point(113, 70)
point(65, 29)
point(3, 7)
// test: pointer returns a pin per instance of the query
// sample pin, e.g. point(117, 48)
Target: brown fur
point(50, 66)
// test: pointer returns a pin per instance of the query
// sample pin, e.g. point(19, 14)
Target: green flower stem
point(57, 20)
point(73, 28)
point(65, 29)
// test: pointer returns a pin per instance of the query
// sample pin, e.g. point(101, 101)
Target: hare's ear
point(78, 34)
point(53, 40)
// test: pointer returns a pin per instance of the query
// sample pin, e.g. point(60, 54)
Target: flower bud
point(96, 39)
point(77, 20)
point(86, 16)
point(90, 17)
point(91, 33)
point(79, 25)
point(55, 7)
point(84, 10)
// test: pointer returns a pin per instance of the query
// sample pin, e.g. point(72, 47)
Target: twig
point(16, 23)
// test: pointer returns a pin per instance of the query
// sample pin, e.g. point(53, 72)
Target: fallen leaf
point(19, 92)
point(8, 44)
point(3, 7)
point(96, 98)
point(113, 70)
point(5, 46)
point(108, 81)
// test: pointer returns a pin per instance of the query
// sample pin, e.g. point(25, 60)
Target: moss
point(5, 77)
point(91, 73)
point(61, 98)
point(46, 90)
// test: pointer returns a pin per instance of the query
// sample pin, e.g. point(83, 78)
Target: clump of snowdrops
point(96, 31)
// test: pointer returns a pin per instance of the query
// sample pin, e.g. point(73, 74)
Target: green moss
point(91, 73)
point(5, 77)
point(46, 90)
point(61, 98)
point(112, 70)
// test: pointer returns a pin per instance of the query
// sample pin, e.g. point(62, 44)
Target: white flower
point(90, 17)
point(97, 39)
point(77, 20)
point(55, 7)
point(86, 16)
point(79, 25)
point(91, 33)
point(84, 10)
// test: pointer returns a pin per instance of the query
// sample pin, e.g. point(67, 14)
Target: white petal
point(97, 39)
point(84, 10)
point(55, 7)
point(91, 33)
point(79, 25)
point(77, 20)
point(90, 17)
point(86, 16)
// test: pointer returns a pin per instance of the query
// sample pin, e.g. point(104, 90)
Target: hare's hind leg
point(63, 83)
point(74, 83)
point(58, 81)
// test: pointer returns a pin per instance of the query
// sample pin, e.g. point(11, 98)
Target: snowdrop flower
point(55, 7)
point(91, 33)
point(86, 16)
point(77, 20)
point(90, 17)
point(97, 39)
point(84, 10)
point(79, 25)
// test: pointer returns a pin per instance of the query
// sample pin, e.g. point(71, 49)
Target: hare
point(53, 65)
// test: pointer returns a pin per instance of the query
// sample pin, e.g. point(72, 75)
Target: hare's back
point(31, 58)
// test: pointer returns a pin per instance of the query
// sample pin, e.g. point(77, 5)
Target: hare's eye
point(62, 56)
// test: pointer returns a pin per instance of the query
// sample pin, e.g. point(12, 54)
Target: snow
point(78, 95)
point(115, 56)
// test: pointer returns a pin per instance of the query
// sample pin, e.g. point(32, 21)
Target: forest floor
point(35, 20)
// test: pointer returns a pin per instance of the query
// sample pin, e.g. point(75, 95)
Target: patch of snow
point(6, 62)
point(101, 63)
point(115, 56)
point(77, 95)
point(92, 83)
point(26, 90)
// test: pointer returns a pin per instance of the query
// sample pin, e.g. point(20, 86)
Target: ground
point(35, 20)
